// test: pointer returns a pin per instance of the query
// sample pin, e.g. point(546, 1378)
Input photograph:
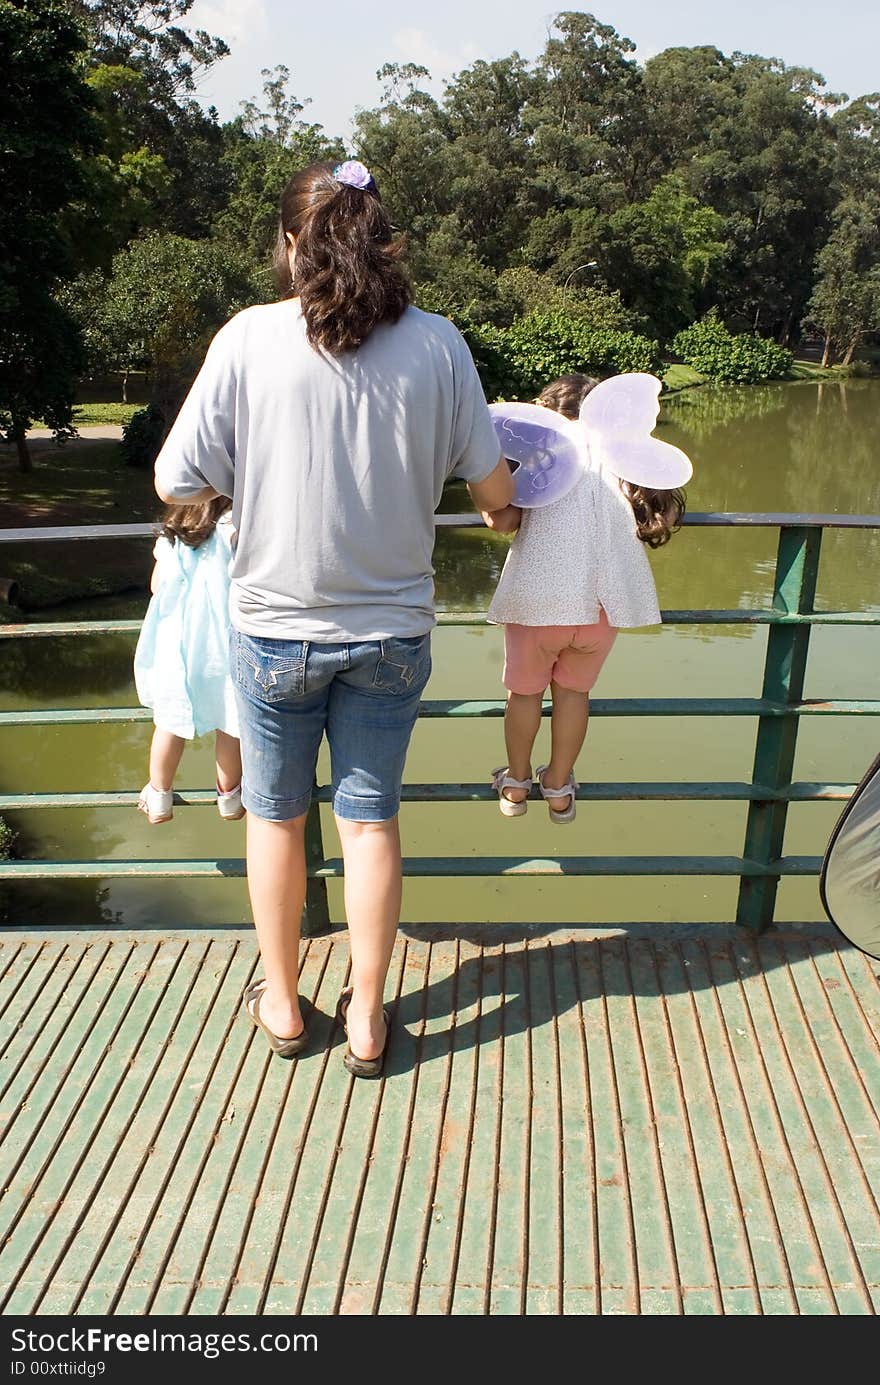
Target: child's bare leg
point(522, 720)
point(568, 729)
point(165, 752)
point(227, 750)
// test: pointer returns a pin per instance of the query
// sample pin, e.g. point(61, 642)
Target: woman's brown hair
point(193, 524)
point(658, 513)
point(347, 270)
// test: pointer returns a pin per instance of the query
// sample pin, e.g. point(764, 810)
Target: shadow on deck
point(625, 1121)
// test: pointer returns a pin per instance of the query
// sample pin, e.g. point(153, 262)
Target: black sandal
point(361, 1067)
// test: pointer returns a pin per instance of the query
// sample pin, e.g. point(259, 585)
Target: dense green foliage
point(46, 118)
point(742, 358)
point(142, 436)
point(579, 210)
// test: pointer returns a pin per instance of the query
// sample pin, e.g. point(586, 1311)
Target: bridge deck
point(624, 1121)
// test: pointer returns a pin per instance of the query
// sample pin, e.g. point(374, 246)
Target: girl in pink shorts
point(575, 574)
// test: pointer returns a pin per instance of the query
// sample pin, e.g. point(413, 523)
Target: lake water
point(794, 448)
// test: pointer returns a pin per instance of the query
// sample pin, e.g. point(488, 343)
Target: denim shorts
point(364, 695)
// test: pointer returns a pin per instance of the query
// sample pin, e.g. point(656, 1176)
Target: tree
point(164, 300)
point(46, 117)
point(662, 253)
point(263, 148)
point(846, 299)
point(159, 160)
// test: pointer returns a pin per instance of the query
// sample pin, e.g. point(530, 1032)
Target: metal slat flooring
point(626, 1121)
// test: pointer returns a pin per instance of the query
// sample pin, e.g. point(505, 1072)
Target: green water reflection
point(795, 448)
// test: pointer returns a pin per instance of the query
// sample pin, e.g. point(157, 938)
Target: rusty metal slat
point(296, 1226)
point(159, 1100)
point(378, 1186)
point(470, 1261)
point(773, 1272)
point(709, 1150)
point(89, 1232)
point(832, 1225)
point(92, 1102)
point(620, 1282)
point(311, 1209)
point(250, 1287)
point(433, 1032)
point(39, 1013)
point(34, 958)
point(449, 1205)
point(688, 1198)
point(508, 1271)
point(139, 1280)
point(810, 1275)
point(230, 1176)
point(545, 1278)
point(96, 1116)
point(10, 955)
point(43, 1114)
point(272, 1166)
point(654, 1248)
point(278, 1287)
point(582, 1278)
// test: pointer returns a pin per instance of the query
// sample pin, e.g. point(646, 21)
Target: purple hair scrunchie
point(354, 174)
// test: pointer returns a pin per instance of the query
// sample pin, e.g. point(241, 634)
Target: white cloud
point(232, 20)
point(418, 46)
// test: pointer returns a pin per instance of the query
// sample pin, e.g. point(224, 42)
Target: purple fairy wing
point(548, 452)
point(618, 417)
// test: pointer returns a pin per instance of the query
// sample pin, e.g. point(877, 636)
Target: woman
point(332, 418)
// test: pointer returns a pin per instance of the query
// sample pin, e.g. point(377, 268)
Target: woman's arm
point(154, 579)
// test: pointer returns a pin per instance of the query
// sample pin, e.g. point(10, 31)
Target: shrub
point(746, 359)
point(7, 840)
point(543, 345)
point(142, 436)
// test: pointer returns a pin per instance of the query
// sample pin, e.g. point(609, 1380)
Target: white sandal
point(565, 814)
point(501, 780)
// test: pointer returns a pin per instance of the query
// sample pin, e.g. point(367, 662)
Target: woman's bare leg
point(522, 721)
point(227, 751)
point(373, 888)
point(276, 873)
point(568, 730)
point(166, 750)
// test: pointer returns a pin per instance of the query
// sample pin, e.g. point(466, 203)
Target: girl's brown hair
point(658, 513)
point(193, 524)
point(347, 269)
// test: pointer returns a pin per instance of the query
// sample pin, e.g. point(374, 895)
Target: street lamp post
point(591, 264)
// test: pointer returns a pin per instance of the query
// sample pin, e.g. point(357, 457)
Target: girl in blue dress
point(181, 664)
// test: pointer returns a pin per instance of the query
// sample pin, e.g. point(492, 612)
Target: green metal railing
point(778, 711)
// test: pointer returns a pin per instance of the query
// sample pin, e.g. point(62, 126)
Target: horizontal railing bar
point(478, 618)
point(722, 792)
point(425, 866)
point(601, 707)
point(58, 533)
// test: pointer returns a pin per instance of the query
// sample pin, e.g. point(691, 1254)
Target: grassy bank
point(83, 482)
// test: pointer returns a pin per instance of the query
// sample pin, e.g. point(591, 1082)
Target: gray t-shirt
point(335, 466)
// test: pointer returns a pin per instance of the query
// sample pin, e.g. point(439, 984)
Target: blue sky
point(334, 50)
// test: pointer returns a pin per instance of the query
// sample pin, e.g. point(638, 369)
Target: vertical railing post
point(794, 589)
point(315, 914)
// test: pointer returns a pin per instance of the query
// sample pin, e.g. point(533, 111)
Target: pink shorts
point(570, 655)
